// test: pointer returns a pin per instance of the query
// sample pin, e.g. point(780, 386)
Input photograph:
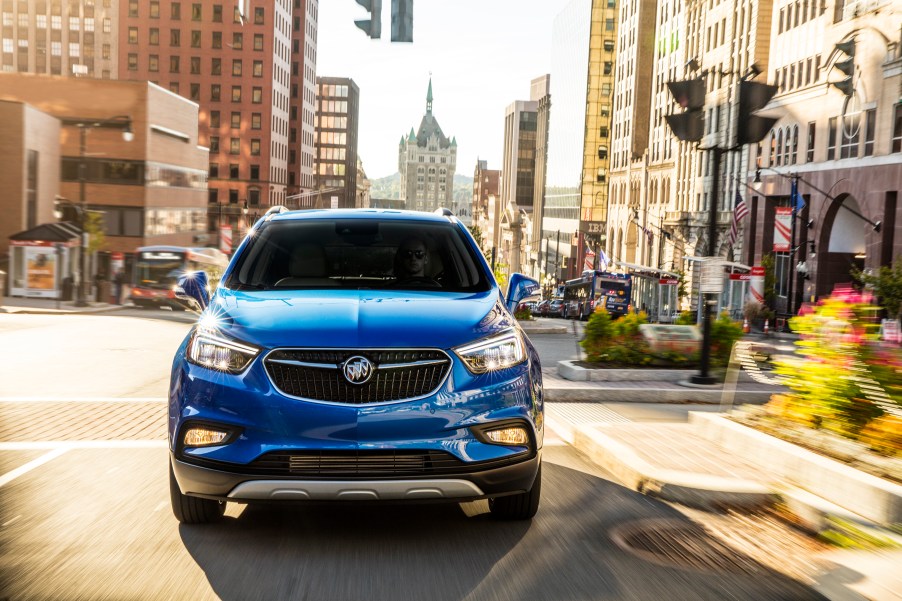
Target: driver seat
point(307, 266)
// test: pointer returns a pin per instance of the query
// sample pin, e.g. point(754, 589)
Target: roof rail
point(444, 212)
point(274, 211)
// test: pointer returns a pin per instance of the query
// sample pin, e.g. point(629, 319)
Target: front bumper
point(243, 488)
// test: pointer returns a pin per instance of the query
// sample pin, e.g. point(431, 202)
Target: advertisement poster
point(782, 229)
point(40, 269)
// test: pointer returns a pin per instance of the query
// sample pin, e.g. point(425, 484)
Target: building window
point(608, 67)
point(781, 273)
point(132, 61)
point(217, 39)
point(154, 36)
point(258, 41)
point(233, 194)
point(256, 120)
point(214, 143)
point(195, 65)
point(897, 129)
point(196, 12)
point(255, 172)
point(602, 152)
point(217, 13)
point(849, 147)
point(233, 171)
point(153, 63)
point(195, 38)
point(257, 96)
point(795, 144)
point(215, 91)
point(176, 11)
point(237, 40)
point(236, 66)
point(236, 93)
point(132, 8)
point(174, 87)
point(258, 68)
point(809, 156)
point(195, 91)
point(214, 118)
point(107, 24)
point(831, 139)
point(175, 37)
point(216, 66)
point(234, 145)
point(602, 175)
point(154, 9)
point(106, 51)
point(214, 170)
point(132, 35)
point(173, 64)
point(236, 120)
point(255, 147)
point(870, 123)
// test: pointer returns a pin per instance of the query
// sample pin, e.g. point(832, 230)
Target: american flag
point(739, 213)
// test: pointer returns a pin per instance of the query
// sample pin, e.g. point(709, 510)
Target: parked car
point(540, 308)
point(317, 373)
point(556, 308)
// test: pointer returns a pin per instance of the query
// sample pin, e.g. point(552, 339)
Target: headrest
point(307, 261)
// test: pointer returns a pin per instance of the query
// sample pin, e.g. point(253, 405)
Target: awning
point(47, 232)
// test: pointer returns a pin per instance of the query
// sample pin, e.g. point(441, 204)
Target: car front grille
point(359, 464)
point(317, 374)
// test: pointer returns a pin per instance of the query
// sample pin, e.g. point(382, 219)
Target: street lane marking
point(11, 521)
point(19, 471)
point(66, 445)
point(63, 399)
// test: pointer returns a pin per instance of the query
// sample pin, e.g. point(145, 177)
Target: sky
point(482, 55)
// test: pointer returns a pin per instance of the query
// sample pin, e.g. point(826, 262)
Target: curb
point(695, 490)
point(676, 394)
point(13, 310)
point(568, 370)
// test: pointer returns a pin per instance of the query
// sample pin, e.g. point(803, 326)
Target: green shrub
point(523, 314)
point(616, 341)
point(724, 334)
point(686, 318)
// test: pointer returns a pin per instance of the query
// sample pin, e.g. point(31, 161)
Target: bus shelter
point(43, 260)
point(655, 291)
point(736, 281)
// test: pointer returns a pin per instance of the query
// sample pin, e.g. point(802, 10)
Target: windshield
point(158, 273)
point(366, 253)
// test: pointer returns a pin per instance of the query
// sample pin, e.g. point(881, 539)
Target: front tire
point(522, 506)
point(193, 510)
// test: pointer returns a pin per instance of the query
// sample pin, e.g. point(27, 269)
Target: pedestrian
point(118, 281)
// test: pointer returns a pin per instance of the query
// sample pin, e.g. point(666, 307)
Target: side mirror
point(193, 286)
point(520, 287)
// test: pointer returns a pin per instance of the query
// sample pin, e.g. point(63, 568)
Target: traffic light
point(688, 126)
point(402, 20)
point(847, 66)
point(372, 26)
point(753, 96)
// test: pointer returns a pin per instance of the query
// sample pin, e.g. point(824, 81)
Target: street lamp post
point(123, 122)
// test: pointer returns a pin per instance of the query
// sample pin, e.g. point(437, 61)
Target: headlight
point(215, 352)
point(498, 352)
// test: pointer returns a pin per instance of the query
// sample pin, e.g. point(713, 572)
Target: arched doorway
point(842, 244)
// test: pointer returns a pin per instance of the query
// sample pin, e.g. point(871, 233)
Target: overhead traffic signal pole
point(372, 26)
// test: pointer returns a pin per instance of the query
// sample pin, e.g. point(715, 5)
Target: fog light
point(202, 437)
point(515, 435)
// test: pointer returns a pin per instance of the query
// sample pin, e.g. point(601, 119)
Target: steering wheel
point(418, 282)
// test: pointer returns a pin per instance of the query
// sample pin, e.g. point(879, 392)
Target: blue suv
point(355, 355)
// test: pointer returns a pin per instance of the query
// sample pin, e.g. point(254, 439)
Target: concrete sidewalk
point(49, 306)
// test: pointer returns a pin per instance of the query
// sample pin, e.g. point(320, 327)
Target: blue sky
point(482, 55)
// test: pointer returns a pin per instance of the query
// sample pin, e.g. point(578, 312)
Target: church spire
point(429, 98)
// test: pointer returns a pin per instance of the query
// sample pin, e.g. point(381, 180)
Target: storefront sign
point(741, 277)
point(669, 281)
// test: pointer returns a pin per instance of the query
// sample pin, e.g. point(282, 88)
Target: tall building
point(253, 78)
point(540, 93)
point(426, 161)
point(76, 38)
point(485, 184)
point(843, 149)
point(518, 174)
point(566, 136)
point(335, 142)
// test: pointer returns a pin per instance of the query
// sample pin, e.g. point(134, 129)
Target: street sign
point(712, 276)
point(758, 270)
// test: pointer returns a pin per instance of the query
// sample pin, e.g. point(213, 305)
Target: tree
point(94, 228)
point(887, 285)
point(770, 280)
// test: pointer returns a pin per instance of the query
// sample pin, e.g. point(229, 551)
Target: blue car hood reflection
point(359, 318)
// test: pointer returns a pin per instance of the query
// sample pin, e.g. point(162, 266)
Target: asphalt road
point(84, 505)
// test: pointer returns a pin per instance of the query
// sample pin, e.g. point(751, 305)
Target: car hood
point(358, 318)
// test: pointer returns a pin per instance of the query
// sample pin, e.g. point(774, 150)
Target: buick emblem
point(358, 370)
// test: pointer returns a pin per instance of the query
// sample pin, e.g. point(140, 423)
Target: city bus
point(598, 288)
point(157, 269)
